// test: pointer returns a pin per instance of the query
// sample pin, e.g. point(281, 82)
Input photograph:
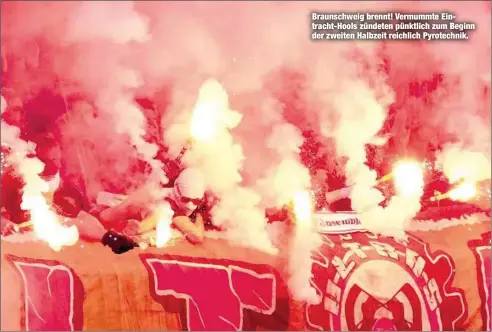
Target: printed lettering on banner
point(217, 293)
point(52, 295)
point(371, 283)
point(337, 223)
point(481, 249)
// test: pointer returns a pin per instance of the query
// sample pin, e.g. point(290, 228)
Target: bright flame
point(457, 175)
point(44, 221)
point(303, 207)
point(408, 178)
point(211, 104)
point(459, 164)
point(163, 227)
point(46, 224)
point(463, 192)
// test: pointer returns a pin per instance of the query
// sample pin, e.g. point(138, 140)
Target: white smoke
point(117, 22)
point(289, 176)
point(117, 81)
point(45, 221)
point(116, 48)
point(300, 265)
point(361, 116)
point(220, 159)
point(279, 186)
point(458, 163)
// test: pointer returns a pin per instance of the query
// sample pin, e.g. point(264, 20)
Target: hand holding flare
point(407, 176)
point(466, 191)
point(212, 101)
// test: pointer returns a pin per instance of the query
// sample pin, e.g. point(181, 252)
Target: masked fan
point(187, 199)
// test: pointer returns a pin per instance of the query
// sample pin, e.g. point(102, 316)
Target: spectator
point(186, 198)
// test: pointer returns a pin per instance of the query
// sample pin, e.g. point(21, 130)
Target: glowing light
point(46, 224)
point(303, 208)
point(163, 227)
point(211, 104)
point(408, 178)
point(458, 174)
point(463, 192)
point(3, 104)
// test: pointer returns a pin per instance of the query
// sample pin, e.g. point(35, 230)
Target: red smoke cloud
point(103, 54)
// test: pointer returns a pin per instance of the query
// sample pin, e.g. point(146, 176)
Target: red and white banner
point(366, 282)
point(371, 283)
point(337, 223)
point(481, 250)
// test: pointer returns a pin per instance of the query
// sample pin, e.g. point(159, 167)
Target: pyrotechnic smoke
point(302, 246)
point(300, 266)
point(361, 116)
point(285, 182)
point(289, 175)
point(45, 222)
point(463, 109)
point(114, 84)
point(143, 37)
point(220, 161)
point(126, 24)
point(274, 74)
point(459, 163)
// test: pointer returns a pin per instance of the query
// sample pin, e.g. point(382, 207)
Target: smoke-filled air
point(267, 116)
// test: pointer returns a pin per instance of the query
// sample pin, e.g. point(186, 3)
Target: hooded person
point(186, 199)
point(188, 192)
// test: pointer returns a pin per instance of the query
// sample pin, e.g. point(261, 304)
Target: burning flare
point(302, 208)
point(45, 222)
point(305, 241)
point(408, 178)
point(163, 228)
point(211, 104)
point(463, 192)
point(460, 164)
point(465, 187)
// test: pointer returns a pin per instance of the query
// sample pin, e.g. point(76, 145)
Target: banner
point(337, 223)
point(378, 284)
point(481, 250)
point(432, 280)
